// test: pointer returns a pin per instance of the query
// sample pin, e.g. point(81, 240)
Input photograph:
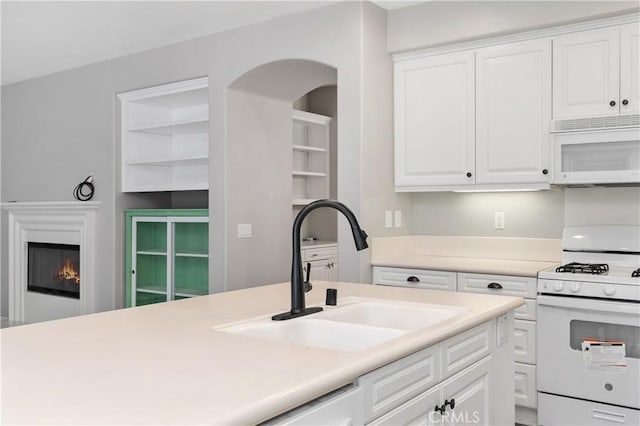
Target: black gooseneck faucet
point(298, 307)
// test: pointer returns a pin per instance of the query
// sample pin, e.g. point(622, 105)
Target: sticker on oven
point(607, 355)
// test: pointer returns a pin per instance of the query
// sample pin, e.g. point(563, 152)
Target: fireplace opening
point(54, 269)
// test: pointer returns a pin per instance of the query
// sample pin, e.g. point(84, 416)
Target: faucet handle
point(307, 284)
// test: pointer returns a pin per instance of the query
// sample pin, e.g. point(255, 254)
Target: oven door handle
point(585, 304)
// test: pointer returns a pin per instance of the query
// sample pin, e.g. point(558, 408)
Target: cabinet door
point(513, 111)
point(190, 243)
point(586, 73)
point(150, 261)
point(319, 271)
point(434, 120)
point(470, 391)
point(629, 69)
point(418, 411)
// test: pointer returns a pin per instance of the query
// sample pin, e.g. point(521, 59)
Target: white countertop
point(165, 364)
point(522, 257)
point(521, 268)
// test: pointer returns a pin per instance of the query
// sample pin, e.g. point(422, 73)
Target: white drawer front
point(526, 311)
point(418, 278)
point(311, 254)
point(466, 348)
point(559, 411)
point(394, 384)
point(342, 407)
point(525, 341)
point(498, 284)
point(525, 381)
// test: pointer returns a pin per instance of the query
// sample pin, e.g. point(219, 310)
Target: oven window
point(589, 330)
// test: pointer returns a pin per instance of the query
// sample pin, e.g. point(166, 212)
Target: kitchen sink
point(397, 315)
point(355, 324)
point(317, 333)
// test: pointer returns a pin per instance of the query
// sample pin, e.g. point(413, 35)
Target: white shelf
point(165, 137)
point(171, 162)
point(303, 201)
point(309, 117)
point(191, 254)
point(152, 252)
point(184, 127)
point(155, 289)
point(310, 159)
point(305, 148)
point(310, 174)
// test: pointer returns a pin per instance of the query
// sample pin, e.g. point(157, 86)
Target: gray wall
point(527, 214)
point(58, 128)
point(443, 22)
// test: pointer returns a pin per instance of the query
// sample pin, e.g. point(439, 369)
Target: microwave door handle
point(585, 304)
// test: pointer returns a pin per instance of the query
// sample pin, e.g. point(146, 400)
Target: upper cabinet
point(595, 73)
point(476, 119)
point(513, 112)
point(310, 157)
point(434, 121)
point(165, 137)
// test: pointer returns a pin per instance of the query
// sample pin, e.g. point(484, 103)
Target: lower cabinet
point(462, 380)
point(322, 262)
point(524, 334)
point(166, 255)
point(462, 399)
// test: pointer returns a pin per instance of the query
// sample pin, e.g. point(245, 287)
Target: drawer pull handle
point(413, 279)
point(451, 403)
point(441, 410)
point(495, 286)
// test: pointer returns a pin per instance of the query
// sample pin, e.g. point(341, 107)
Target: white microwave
point(597, 157)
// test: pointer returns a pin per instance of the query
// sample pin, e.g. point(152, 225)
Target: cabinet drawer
point(525, 341)
point(505, 285)
point(394, 384)
point(320, 253)
point(525, 389)
point(418, 278)
point(464, 349)
point(526, 311)
point(342, 407)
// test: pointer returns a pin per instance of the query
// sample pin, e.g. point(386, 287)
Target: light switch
point(245, 230)
point(398, 218)
point(499, 220)
point(388, 219)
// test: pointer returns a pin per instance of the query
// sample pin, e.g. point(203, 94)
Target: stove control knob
point(575, 287)
point(558, 286)
point(609, 290)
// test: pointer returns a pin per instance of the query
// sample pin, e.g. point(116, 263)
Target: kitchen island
point(171, 364)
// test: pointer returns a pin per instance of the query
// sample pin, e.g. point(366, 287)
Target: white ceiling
point(43, 37)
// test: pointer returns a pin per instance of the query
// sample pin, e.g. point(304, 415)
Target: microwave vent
point(596, 123)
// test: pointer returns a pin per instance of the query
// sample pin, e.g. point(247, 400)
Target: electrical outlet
point(498, 220)
point(398, 218)
point(388, 219)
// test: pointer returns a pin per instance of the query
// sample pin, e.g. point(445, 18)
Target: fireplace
point(54, 269)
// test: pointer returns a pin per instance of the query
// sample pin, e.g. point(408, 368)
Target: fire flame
point(67, 273)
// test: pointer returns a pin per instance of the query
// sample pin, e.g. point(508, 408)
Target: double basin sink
point(355, 324)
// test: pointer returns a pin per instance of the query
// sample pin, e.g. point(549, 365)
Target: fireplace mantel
point(67, 222)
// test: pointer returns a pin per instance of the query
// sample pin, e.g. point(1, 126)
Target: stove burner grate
point(636, 273)
point(584, 268)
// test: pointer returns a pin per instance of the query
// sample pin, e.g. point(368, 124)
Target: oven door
point(563, 324)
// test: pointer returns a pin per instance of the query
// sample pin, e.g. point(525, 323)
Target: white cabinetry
point(473, 119)
point(513, 112)
point(434, 120)
point(310, 157)
point(595, 73)
point(165, 137)
point(323, 261)
point(524, 325)
point(461, 380)
point(418, 278)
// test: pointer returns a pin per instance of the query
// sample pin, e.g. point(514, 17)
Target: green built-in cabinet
point(167, 255)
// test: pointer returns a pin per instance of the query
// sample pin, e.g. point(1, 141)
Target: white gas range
point(589, 329)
